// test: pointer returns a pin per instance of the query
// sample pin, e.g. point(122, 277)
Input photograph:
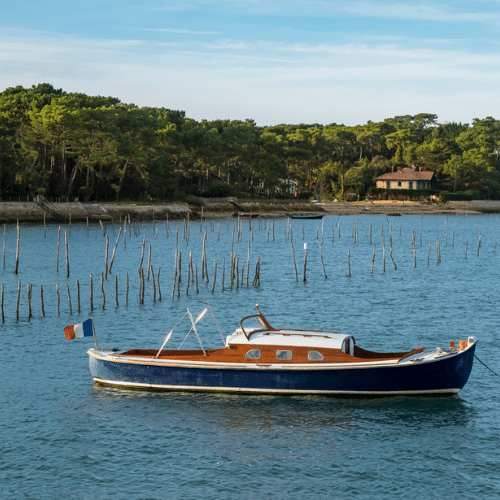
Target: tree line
point(70, 145)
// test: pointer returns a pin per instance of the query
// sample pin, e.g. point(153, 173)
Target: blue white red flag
point(78, 331)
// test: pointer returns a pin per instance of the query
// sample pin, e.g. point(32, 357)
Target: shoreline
point(10, 212)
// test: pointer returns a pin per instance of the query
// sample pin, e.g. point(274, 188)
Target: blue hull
point(446, 375)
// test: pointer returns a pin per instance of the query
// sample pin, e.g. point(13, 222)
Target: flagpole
point(95, 337)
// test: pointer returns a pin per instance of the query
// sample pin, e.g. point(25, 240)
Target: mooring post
point(17, 248)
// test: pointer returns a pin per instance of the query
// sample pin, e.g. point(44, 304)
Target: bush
point(445, 196)
point(305, 195)
point(214, 190)
point(191, 199)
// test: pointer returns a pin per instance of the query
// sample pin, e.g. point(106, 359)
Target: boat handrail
point(262, 320)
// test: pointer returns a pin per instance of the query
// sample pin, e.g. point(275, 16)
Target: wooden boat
point(245, 215)
point(306, 216)
point(263, 359)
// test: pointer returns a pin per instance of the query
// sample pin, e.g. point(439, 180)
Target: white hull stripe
point(268, 391)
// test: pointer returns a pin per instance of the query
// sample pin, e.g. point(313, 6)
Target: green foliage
point(66, 144)
point(445, 196)
point(305, 195)
point(191, 199)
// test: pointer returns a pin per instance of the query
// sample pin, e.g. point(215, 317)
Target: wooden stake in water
point(373, 258)
point(223, 272)
point(394, 264)
point(140, 285)
point(237, 273)
point(248, 260)
point(58, 244)
point(116, 246)
point(142, 253)
point(78, 295)
point(91, 293)
point(69, 299)
point(18, 299)
point(383, 251)
point(256, 280)
point(294, 263)
point(305, 263)
point(66, 253)
point(29, 300)
point(321, 256)
point(179, 277)
point(41, 300)
point(154, 284)
point(4, 228)
point(158, 283)
point(102, 291)
point(479, 244)
point(149, 261)
point(58, 300)
point(215, 276)
point(17, 248)
point(349, 262)
point(126, 293)
point(3, 315)
point(116, 290)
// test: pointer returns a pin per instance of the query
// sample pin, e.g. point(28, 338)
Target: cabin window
point(253, 354)
point(280, 354)
point(315, 356)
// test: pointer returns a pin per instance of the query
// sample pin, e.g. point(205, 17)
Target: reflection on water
point(248, 412)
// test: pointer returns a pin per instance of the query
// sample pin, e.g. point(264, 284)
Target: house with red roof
point(407, 178)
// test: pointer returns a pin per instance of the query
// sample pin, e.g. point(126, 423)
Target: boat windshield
point(260, 324)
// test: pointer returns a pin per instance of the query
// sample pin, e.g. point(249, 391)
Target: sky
point(272, 61)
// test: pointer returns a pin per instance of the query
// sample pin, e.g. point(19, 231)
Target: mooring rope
point(486, 366)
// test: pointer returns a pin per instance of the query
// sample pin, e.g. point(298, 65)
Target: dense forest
point(68, 145)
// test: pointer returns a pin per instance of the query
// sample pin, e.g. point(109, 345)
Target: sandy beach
point(76, 211)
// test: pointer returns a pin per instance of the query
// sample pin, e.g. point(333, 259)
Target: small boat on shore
point(306, 217)
point(266, 360)
point(245, 215)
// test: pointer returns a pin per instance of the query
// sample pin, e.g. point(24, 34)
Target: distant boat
point(264, 359)
point(245, 215)
point(306, 216)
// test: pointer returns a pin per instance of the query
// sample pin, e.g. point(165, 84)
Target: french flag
point(84, 329)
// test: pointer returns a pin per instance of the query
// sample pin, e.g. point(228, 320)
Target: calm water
point(61, 437)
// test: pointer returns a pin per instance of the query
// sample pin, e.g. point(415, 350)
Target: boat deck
point(268, 354)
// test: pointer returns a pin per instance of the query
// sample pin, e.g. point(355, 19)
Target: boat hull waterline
point(440, 376)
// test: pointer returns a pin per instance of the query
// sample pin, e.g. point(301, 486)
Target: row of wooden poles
point(237, 279)
point(269, 225)
point(237, 274)
point(58, 294)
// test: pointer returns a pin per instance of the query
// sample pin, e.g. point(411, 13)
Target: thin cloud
point(238, 80)
point(178, 31)
point(419, 12)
